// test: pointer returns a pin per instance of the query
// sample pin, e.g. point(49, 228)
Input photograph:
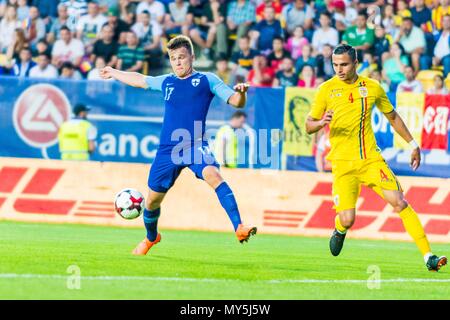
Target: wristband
point(413, 144)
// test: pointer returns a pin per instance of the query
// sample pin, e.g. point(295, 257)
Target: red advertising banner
point(280, 202)
point(435, 121)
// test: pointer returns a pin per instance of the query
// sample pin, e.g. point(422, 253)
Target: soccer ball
point(129, 203)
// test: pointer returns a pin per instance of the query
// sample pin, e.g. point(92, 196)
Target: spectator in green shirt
point(131, 56)
point(394, 66)
point(359, 36)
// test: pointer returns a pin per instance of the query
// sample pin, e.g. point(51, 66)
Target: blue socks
point(226, 199)
point(151, 223)
point(228, 202)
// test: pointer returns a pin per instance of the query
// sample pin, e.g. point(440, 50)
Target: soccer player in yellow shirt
point(345, 102)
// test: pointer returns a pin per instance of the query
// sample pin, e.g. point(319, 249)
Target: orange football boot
point(243, 233)
point(145, 245)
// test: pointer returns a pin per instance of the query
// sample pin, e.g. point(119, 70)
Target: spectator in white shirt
point(75, 9)
point(89, 26)
point(410, 84)
point(94, 74)
point(67, 49)
point(442, 48)
point(148, 31)
point(8, 24)
point(44, 69)
point(325, 34)
point(156, 9)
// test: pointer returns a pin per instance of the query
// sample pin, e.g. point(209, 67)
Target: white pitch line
point(179, 279)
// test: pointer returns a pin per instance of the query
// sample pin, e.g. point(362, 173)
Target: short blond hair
point(180, 42)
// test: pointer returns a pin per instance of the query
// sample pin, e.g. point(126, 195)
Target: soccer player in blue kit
point(187, 95)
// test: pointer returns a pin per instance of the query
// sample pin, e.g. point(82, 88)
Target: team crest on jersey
point(363, 92)
point(195, 82)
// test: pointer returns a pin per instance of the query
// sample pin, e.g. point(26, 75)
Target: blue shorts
point(168, 165)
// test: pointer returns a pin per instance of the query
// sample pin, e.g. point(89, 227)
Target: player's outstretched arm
point(400, 127)
point(134, 79)
point(313, 125)
point(239, 98)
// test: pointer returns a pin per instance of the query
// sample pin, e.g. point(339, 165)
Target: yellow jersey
point(437, 15)
point(351, 134)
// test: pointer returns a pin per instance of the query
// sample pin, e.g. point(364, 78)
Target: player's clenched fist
point(327, 118)
point(106, 73)
point(241, 87)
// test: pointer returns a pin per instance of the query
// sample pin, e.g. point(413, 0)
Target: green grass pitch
point(34, 259)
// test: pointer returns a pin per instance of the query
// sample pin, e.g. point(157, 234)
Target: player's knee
point(399, 205)
point(212, 176)
point(347, 222)
point(347, 218)
point(152, 204)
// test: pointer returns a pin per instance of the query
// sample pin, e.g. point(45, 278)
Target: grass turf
point(34, 259)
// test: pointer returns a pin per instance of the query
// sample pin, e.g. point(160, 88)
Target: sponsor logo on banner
point(38, 113)
point(41, 183)
point(435, 215)
point(435, 122)
point(296, 203)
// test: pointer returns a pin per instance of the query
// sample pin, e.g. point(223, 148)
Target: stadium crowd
point(268, 43)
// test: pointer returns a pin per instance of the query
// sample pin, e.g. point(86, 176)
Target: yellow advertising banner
point(410, 108)
point(297, 104)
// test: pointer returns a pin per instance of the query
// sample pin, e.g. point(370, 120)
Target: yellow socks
point(338, 225)
point(414, 228)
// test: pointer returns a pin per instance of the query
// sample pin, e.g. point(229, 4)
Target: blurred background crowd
point(403, 44)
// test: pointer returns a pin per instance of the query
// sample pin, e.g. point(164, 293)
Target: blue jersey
point(186, 105)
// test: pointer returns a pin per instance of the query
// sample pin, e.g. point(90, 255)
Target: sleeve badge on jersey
point(195, 82)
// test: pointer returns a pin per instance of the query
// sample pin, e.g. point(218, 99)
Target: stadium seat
point(426, 77)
